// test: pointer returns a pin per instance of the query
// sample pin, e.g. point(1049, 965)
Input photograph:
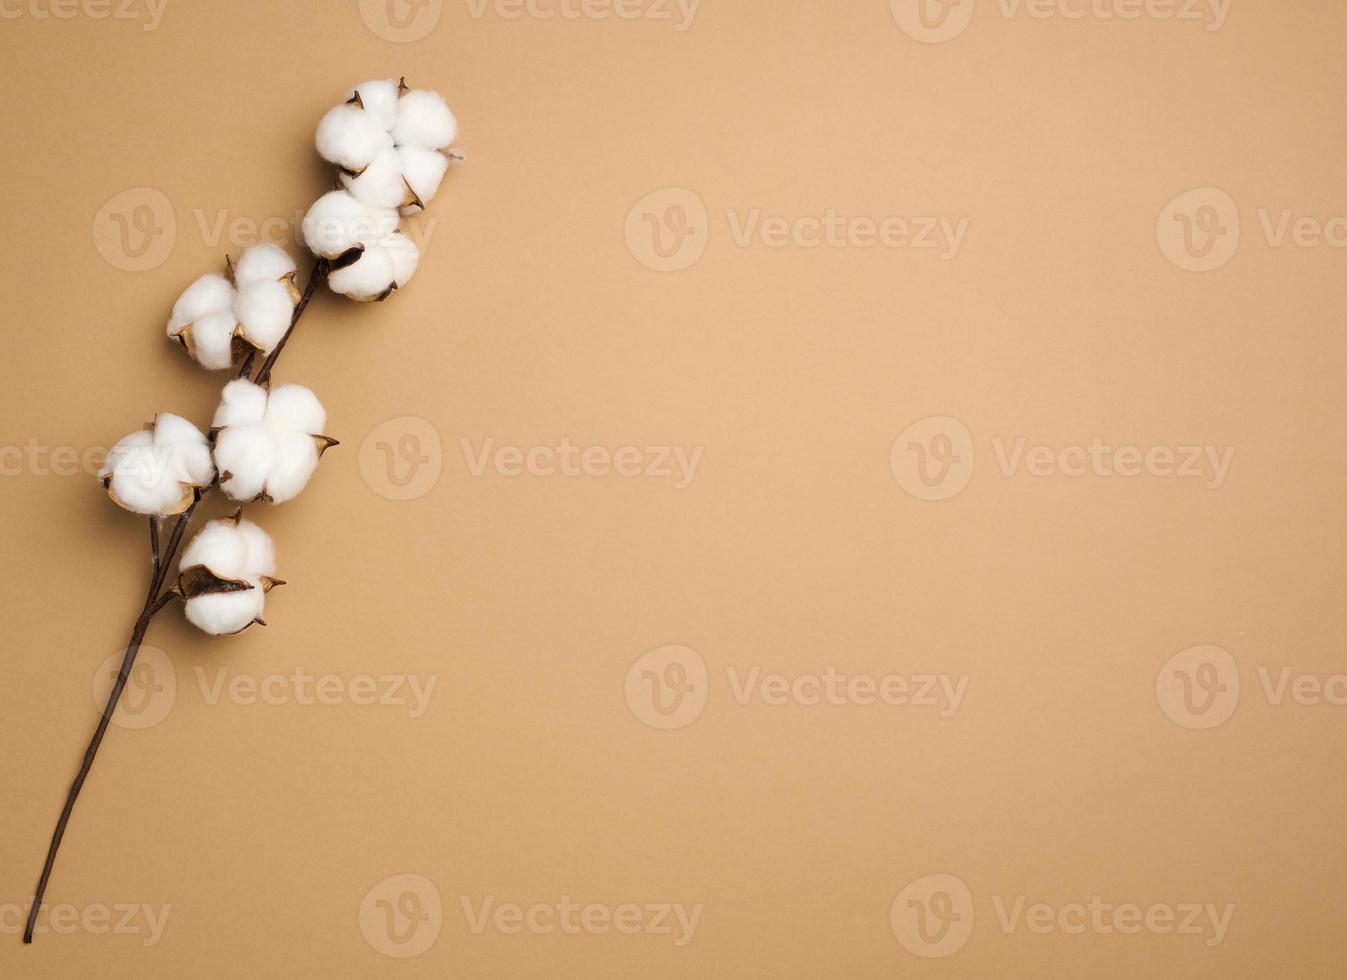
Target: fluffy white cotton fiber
point(268, 444)
point(384, 115)
point(255, 309)
point(338, 222)
point(350, 137)
point(158, 469)
point(237, 552)
point(383, 266)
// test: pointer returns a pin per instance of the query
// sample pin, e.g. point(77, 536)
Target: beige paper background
point(794, 549)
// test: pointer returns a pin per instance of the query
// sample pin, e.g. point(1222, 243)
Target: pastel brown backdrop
point(1065, 315)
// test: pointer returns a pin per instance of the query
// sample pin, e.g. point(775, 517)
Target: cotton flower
point(226, 572)
point(370, 257)
point(391, 143)
point(268, 443)
point(158, 469)
point(218, 317)
point(380, 267)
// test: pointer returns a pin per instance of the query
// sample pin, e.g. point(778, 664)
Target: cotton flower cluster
point(392, 148)
point(218, 317)
point(226, 573)
point(391, 145)
point(268, 443)
point(159, 469)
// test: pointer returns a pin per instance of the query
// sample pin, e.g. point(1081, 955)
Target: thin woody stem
point(156, 561)
point(318, 275)
point(148, 612)
point(154, 602)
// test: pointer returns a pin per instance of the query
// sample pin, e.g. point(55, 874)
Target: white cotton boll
point(405, 256)
point(380, 185)
point(261, 552)
point(221, 548)
point(209, 294)
point(226, 613)
point(350, 137)
point(212, 340)
point(367, 278)
point(294, 408)
point(424, 120)
point(265, 261)
point(156, 470)
point(380, 99)
point(264, 308)
point(233, 550)
point(423, 170)
point(337, 222)
point(294, 463)
point(268, 444)
point(241, 402)
point(187, 449)
point(245, 455)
